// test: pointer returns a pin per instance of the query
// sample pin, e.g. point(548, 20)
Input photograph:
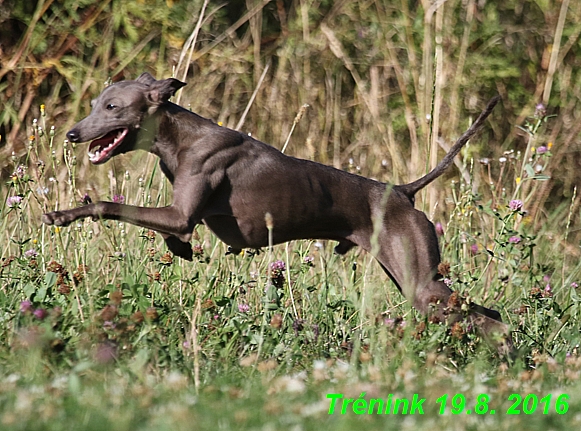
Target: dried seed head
point(276, 321)
point(269, 221)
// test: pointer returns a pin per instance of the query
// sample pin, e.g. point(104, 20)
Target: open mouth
point(101, 150)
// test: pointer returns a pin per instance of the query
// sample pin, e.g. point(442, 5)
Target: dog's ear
point(146, 78)
point(160, 91)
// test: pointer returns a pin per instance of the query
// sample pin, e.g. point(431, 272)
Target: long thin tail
point(412, 188)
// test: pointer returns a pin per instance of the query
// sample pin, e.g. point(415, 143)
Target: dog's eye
point(110, 107)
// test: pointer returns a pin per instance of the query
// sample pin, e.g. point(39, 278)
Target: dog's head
point(115, 123)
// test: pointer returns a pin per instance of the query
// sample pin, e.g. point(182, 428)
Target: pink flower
point(548, 292)
point(40, 313)
point(25, 306)
point(19, 172)
point(515, 204)
point(277, 269)
point(30, 253)
point(389, 322)
point(439, 229)
point(13, 201)
point(514, 240)
point(243, 308)
point(541, 150)
point(278, 266)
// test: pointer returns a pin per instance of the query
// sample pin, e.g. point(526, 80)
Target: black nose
point(73, 135)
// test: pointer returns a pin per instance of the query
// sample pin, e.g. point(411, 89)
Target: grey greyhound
point(230, 181)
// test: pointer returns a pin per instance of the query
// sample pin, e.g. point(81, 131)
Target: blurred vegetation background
point(389, 84)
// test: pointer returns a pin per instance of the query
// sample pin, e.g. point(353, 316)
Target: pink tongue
point(104, 141)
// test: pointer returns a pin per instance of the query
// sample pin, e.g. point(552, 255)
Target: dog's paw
point(179, 248)
point(232, 250)
point(57, 218)
point(344, 246)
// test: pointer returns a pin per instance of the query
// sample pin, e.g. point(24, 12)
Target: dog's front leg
point(170, 220)
point(112, 211)
point(177, 219)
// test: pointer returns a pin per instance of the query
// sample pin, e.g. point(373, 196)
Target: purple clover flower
point(119, 199)
point(40, 313)
point(277, 268)
point(25, 306)
point(514, 240)
point(30, 253)
point(13, 201)
point(515, 205)
point(389, 322)
point(278, 265)
point(542, 150)
point(540, 110)
point(243, 308)
point(19, 172)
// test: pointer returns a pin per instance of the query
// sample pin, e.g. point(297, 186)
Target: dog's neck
point(162, 141)
point(170, 127)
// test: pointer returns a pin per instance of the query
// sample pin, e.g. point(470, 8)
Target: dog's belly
point(229, 231)
point(253, 233)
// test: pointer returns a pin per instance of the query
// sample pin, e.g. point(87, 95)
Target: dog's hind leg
point(409, 253)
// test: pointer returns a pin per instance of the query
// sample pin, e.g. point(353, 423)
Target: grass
point(104, 329)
